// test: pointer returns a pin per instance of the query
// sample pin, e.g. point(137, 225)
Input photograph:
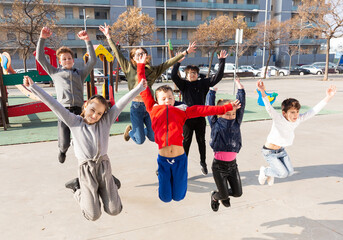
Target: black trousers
point(197, 125)
point(224, 173)
point(64, 131)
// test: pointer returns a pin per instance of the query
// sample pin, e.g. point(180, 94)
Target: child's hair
point(62, 50)
point(221, 102)
point(163, 88)
point(98, 98)
point(133, 52)
point(191, 67)
point(289, 103)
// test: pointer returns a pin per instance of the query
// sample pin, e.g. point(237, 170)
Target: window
point(130, 3)
point(184, 16)
point(160, 16)
point(212, 1)
point(213, 15)
point(226, 1)
point(69, 13)
point(71, 36)
point(173, 15)
point(100, 13)
point(7, 11)
point(234, 15)
point(174, 34)
point(160, 36)
point(184, 34)
point(81, 16)
point(11, 37)
point(198, 16)
point(234, 1)
point(99, 35)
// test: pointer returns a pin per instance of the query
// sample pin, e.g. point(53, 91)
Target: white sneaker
point(262, 177)
point(270, 180)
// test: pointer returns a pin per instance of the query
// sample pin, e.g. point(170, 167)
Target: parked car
point(321, 65)
point(313, 69)
point(299, 71)
point(204, 70)
point(229, 67)
point(181, 70)
point(339, 68)
point(98, 75)
point(275, 71)
point(248, 68)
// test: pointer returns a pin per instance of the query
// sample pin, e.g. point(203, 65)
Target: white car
point(274, 71)
point(248, 68)
point(229, 67)
point(313, 69)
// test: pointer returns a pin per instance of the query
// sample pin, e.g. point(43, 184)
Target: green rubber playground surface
point(43, 126)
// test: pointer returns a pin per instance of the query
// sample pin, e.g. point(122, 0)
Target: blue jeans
point(280, 165)
point(172, 178)
point(140, 117)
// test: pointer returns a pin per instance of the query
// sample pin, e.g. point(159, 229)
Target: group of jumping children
point(162, 120)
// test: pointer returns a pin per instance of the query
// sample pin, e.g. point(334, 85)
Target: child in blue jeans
point(226, 141)
point(282, 134)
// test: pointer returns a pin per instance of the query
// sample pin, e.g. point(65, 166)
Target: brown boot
point(126, 133)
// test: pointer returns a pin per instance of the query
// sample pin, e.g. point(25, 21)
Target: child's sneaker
point(214, 203)
point(270, 180)
point(262, 177)
point(126, 133)
point(226, 202)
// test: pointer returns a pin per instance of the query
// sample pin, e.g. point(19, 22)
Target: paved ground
point(308, 205)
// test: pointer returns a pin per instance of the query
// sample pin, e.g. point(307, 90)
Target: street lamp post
point(85, 19)
point(265, 30)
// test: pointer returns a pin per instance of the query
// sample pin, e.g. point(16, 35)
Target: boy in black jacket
point(194, 92)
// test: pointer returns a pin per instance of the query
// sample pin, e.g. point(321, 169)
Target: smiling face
point(66, 60)
point(192, 75)
point(292, 114)
point(93, 111)
point(165, 98)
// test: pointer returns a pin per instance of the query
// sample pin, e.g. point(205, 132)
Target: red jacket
point(167, 121)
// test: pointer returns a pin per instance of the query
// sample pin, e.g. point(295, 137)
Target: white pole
point(84, 19)
point(165, 28)
point(265, 32)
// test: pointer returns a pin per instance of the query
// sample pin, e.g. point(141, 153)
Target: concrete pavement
point(308, 205)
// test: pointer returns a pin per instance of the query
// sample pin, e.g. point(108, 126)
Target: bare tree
point(25, 22)
point(325, 18)
point(132, 27)
point(275, 31)
point(217, 32)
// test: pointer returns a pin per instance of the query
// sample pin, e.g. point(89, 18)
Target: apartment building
point(181, 18)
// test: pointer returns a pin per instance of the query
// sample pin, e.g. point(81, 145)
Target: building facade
point(176, 19)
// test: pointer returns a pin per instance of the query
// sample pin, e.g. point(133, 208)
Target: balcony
point(307, 41)
point(189, 24)
point(203, 6)
point(80, 22)
point(83, 2)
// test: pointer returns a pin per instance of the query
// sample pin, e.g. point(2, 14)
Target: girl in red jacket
point(167, 124)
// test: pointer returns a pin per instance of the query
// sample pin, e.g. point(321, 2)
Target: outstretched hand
point(331, 91)
point(45, 32)
point(27, 81)
point(83, 35)
point(223, 54)
point(105, 30)
point(191, 47)
point(260, 86)
point(141, 58)
point(236, 104)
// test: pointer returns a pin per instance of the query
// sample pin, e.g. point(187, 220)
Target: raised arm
point(203, 111)
point(241, 97)
point(269, 108)
point(330, 93)
point(123, 62)
point(86, 70)
point(219, 75)
point(40, 55)
point(61, 112)
point(180, 83)
point(210, 101)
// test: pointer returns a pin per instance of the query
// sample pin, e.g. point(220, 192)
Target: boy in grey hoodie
point(68, 82)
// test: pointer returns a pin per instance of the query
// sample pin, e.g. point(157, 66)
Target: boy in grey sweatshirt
point(90, 135)
point(68, 82)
